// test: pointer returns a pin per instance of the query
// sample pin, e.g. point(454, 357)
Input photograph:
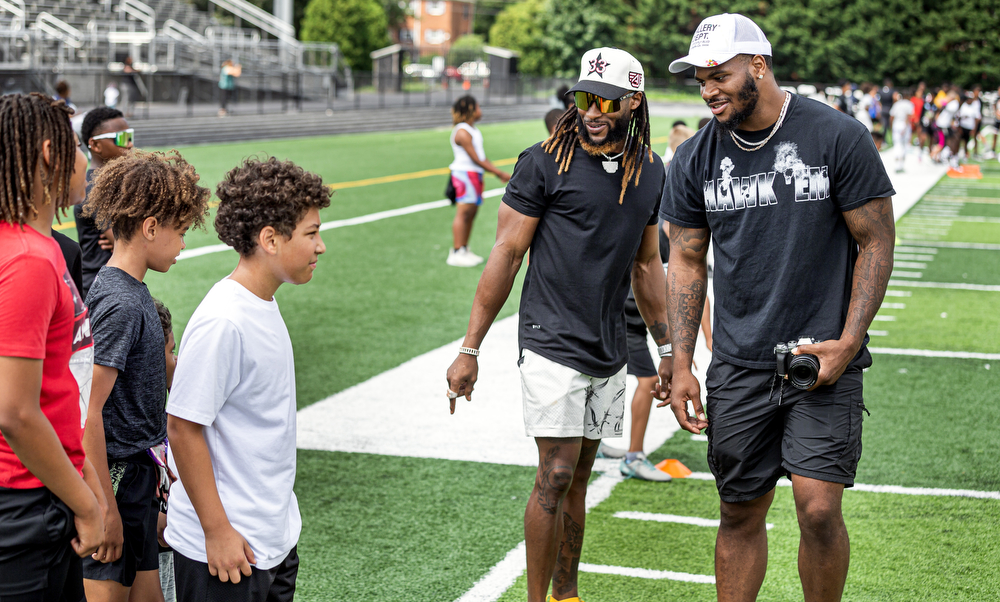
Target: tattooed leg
point(559, 464)
point(574, 507)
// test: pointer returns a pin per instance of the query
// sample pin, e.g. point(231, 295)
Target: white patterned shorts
point(561, 402)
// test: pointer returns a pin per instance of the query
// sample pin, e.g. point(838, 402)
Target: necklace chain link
point(759, 145)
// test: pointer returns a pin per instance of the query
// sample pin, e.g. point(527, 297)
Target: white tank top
point(462, 160)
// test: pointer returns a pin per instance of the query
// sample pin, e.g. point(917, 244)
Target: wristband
point(665, 350)
point(469, 351)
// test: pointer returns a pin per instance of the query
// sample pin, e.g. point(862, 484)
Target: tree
point(521, 27)
point(466, 48)
point(574, 27)
point(356, 26)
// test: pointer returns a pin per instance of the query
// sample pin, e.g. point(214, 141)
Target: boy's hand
point(161, 525)
point(114, 539)
point(89, 533)
point(229, 554)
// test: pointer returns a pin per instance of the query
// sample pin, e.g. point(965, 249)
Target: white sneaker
point(643, 469)
point(462, 258)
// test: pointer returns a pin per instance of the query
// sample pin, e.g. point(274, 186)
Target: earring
point(761, 76)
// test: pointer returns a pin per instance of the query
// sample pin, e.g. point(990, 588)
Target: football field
point(401, 514)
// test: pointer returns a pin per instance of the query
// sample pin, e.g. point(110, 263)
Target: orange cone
point(971, 172)
point(674, 468)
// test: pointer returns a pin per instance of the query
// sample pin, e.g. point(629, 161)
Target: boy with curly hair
point(234, 520)
point(149, 200)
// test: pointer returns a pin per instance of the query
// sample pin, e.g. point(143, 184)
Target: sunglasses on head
point(122, 138)
point(585, 99)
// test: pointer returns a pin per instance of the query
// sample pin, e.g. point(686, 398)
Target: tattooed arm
point(514, 234)
point(649, 287)
point(873, 227)
point(687, 284)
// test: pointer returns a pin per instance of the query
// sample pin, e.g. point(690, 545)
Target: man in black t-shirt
point(798, 206)
point(585, 201)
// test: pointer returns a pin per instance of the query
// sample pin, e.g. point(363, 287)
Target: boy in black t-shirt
point(585, 202)
point(149, 200)
point(796, 202)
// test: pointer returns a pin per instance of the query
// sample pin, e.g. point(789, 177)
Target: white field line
point(913, 265)
point(905, 274)
point(893, 306)
point(930, 250)
point(878, 333)
point(645, 573)
point(898, 293)
point(703, 438)
point(505, 573)
point(989, 288)
point(928, 491)
point(964, 355)
point(912, 257)
point(343, 223)
point(673, 518)
point(981, 246)
point(885, 318)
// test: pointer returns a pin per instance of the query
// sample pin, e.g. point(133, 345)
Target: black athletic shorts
point(196, 584)
point(760, 429)
point(37, 563)
point(639, 361)
point(966, 135)
point(138, 506)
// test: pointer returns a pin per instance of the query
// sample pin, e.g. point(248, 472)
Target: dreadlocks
point(564, 140)
point(463, 108)
point(26, 121)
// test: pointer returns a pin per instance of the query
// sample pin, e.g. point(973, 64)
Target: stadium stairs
point(182, 131)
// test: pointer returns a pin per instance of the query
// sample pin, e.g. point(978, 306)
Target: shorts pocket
point(852, 448)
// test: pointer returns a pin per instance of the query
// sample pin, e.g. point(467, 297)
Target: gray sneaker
point(606, 451)
point(643, 469)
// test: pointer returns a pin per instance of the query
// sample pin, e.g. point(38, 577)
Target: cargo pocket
point(852, 448)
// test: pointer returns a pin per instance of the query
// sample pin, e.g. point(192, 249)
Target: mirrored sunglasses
point(585, 99)
point(122, 138)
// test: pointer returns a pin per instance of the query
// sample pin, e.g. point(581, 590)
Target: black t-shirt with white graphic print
point(784, 257)
point(580, 268)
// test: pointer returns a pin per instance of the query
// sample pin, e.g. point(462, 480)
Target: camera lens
point(803, 370)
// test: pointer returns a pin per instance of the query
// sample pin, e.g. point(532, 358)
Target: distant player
point(805, 178)
point(49, 495)
point(585, 202)
point(234, 521)
point(149, 200)
point(467, 177)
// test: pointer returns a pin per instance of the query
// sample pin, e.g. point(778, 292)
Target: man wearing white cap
point(797, 204)
point(585, 201)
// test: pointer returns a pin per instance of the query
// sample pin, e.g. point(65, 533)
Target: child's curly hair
point(142, 184)
point(265, 193)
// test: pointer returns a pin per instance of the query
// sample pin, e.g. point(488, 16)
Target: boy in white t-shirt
point(899, 120)
point(234, 521)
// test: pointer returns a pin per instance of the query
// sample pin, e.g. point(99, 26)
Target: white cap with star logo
point(610, 73)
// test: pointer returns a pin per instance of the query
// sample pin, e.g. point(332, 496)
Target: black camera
point(802, 370)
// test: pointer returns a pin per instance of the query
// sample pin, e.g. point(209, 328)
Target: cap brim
point(602, 89)
point(694, 61)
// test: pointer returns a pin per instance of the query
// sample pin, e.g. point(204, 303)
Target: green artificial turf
point(972, 208)
point(971, 266)
point(942, 319)
point(903, 547)
point(386, 528)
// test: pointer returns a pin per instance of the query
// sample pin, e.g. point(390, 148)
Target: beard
point(616, 134)
point(748, 96)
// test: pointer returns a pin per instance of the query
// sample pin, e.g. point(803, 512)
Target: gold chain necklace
point(759, 145)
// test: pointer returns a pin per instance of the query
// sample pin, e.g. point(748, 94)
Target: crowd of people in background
point(945, 124)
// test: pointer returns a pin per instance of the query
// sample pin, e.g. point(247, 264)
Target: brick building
point(434, 24)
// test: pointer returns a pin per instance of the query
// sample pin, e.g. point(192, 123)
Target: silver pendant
point(610, 166)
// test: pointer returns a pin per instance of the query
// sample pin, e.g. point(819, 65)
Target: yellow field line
point(413, 175)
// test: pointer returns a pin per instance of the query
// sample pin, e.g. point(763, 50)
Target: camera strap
point(781, 388)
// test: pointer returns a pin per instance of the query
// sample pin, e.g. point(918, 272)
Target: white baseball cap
point(721, 37)
point(610, 73)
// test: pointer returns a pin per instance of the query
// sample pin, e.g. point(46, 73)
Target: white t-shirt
point(900, 112)
point(236, 376)
point(969, 113)
point(462, 160)
point(946, 117)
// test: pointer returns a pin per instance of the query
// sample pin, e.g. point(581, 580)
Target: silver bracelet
point(469, 351)
point(665, 350)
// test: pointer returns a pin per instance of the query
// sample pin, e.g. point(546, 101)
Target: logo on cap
point(712, 63)
point(635, 79)
point(598, 66)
